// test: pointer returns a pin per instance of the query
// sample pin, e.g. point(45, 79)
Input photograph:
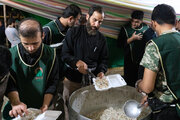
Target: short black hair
point(137, 14)
point(164, 13)
point(82, 20)
point(30, 31)
point(94, 8)
point(10, 21)
point(5, 61)
point(71, 10)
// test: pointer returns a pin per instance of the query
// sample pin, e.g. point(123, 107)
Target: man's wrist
point(15, 102)
point(137, 87)
point(130, 39)
point(137, 82)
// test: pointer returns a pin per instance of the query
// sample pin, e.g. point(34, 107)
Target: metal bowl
point(87, 100)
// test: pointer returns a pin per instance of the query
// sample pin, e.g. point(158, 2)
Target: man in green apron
point(34, 72)
point(55, 32)
point(5, 64)
point(130, 39)
point(161, 79)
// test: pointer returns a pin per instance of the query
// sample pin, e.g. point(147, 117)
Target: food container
point(35, 114)
point(114, 81)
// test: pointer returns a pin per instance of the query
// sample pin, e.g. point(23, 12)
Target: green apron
point(168, 45)
point(134, 45)
point(55, 33)
point(31, 79)
point(56, 37)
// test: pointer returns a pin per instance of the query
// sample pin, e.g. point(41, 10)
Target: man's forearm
point(14, 97)
point(47, 99)
point(147, 84)
point(129, 40)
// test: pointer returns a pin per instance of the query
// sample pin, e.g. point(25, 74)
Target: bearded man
point(84, 48)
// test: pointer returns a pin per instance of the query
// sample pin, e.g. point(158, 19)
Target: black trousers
point(166, 114)
point(130, 71)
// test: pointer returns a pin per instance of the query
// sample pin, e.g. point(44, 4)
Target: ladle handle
point(141, 105)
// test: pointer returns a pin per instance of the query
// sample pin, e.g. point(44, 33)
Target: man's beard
point(89, 28)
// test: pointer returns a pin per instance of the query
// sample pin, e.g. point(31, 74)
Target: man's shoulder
point(10, 29)
point(127, 27)
point(13, 49)
point(79, 27)
point(127, 24)
point(49, 23)
point(76, 29)
point(101, 35)
point(150, 45)
point(48, 52)
point(48, 47)
point(144, 24)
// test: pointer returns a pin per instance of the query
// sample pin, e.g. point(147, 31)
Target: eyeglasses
point(4, 77)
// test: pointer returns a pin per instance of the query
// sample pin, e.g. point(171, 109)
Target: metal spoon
point(90, 73)
point(132, 108)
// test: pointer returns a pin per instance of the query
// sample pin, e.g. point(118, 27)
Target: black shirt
point(79, 45)
point(2, 36)
point(31, 59)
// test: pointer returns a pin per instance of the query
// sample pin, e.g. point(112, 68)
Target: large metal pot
point(87, 100)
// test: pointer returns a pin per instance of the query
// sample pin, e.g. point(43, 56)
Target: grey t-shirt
point(12, 36)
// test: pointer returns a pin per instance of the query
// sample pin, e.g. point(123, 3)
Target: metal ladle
point(132, 108)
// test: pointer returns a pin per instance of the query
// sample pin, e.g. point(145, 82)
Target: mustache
point(92, 27)
point(95, 28)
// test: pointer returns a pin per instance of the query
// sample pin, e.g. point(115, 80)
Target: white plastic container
point(47, 115)
point(114, 81)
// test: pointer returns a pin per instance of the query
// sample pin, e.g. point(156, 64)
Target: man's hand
point(136, 85)
point(18, 109)
point(137, 36)
point(134, 37)
point(144, 100)
point(100, 75)
point(44, 108)
point(82, 67)
point(47, 99)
